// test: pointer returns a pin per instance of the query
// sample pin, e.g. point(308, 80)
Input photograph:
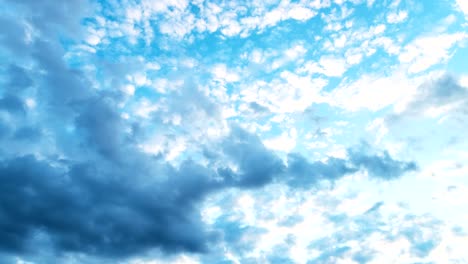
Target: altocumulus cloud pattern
point(279, 131)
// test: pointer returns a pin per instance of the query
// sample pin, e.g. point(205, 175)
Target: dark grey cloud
point(379, 165)
point(82, 209)
point(302, 173)
point(258, 165)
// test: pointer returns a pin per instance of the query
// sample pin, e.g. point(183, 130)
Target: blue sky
point(309, 131)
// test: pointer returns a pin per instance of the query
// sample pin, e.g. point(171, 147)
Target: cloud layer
point(214, 132)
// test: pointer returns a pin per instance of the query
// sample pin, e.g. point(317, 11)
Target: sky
point(263, 131)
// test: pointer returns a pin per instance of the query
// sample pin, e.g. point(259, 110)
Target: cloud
point(329, 66)
point(257, 165)
point(101, 196)
point(182, 19)
point(99, 124)
point(424, 52)
point(302, 173)
point(371, 92)
point(111, 213)
point(397, 17)
point(78, 174)
point(380, 165)
point(463, 6)
point(85, 210)
point(438, 96)
point(97, 194)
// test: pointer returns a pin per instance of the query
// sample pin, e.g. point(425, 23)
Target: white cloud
point(153, 66)
point(300, 13)
point(129, 89)
point(372, 92)
point(340, 42)
point(395, 3)
point(169, 147)
point(95, 37)
point(295, 52)
point(463, 6)
point(378, 127)
point(354, 55)
point(379, 29)
point(178, 27)
point(221, 73)
point(231, 28)
point(388, 45)
point(134, 14)
point(288, 94)
point(30, 103)
point(257, 56)
point(318, 4)
point(140, 79)
point(285, 142)
point(329, 66)
point(425, 52)
point(397, 17)
point(464, 81)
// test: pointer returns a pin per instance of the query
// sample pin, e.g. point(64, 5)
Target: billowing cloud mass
point(232, 132)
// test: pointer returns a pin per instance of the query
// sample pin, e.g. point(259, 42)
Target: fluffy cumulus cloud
point(142, 131)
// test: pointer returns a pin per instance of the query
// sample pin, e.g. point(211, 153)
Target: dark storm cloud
point(88, 210)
